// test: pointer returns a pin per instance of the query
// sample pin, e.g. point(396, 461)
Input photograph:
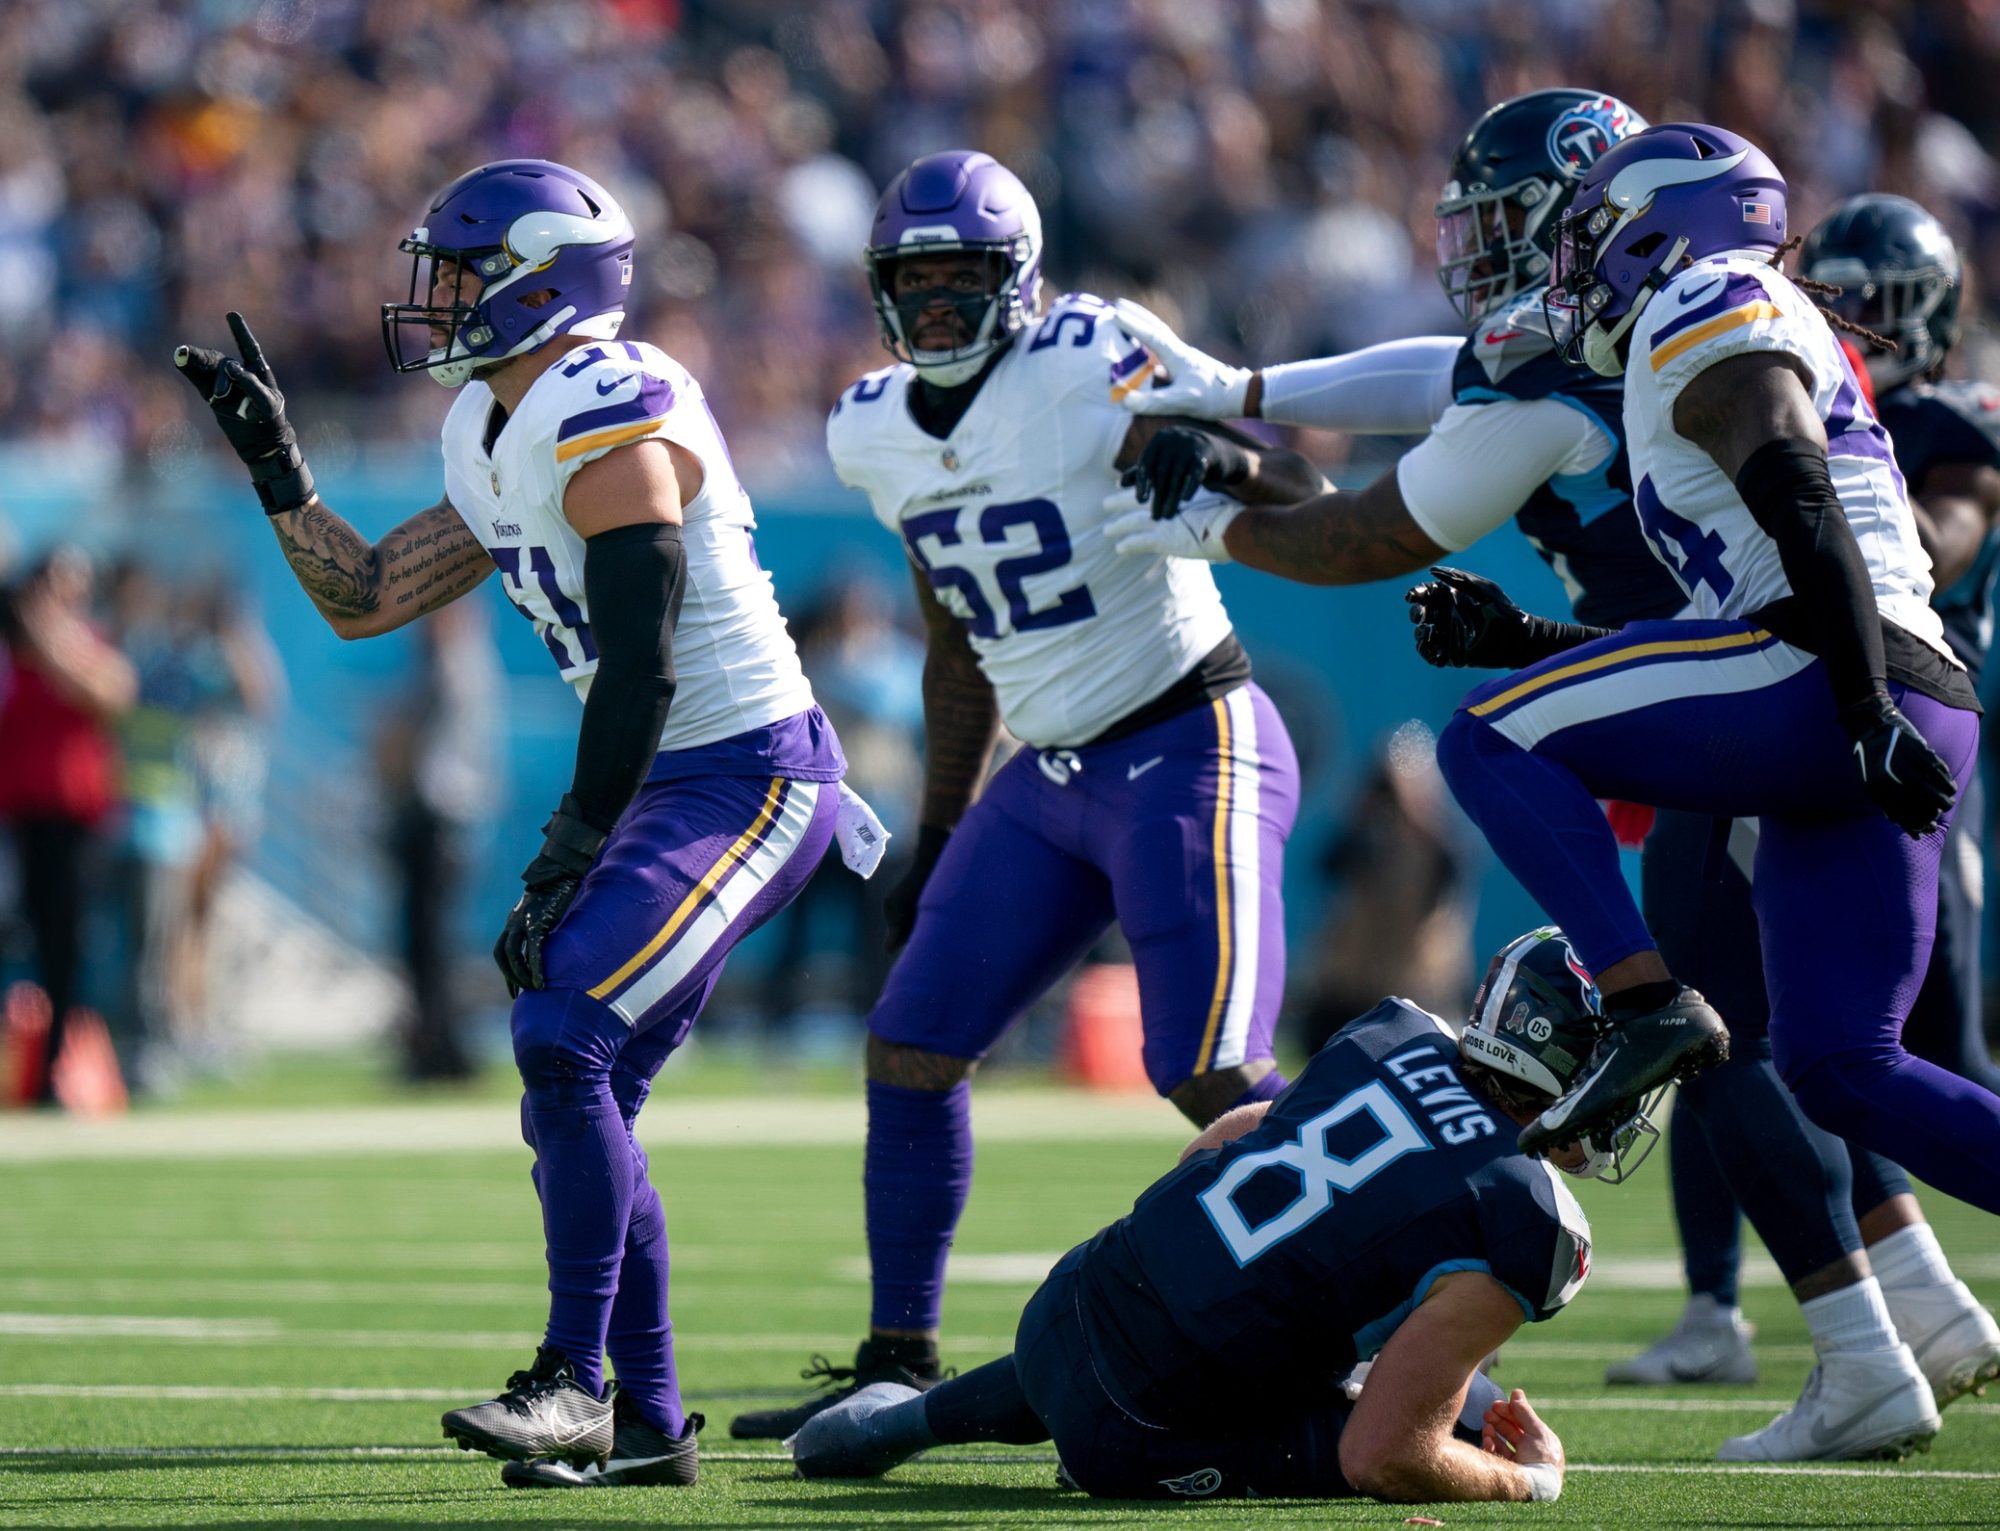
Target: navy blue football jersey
point(1936, 423)
point(1266, 1268)
point(1582, 524)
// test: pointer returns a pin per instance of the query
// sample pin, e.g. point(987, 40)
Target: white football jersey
point(1697, 523)
point(1006, 514)
point(734, 658)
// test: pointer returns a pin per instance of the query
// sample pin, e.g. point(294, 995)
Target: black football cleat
point(545, 1412)
point(641, 1457)
point(836, 1385)
point(1634, 1056)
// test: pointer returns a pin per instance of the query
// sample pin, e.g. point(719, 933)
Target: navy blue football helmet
point(1900, 276)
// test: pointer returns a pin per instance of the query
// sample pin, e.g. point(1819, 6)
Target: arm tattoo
point(334, 565)
point(1335, 539)
point(961, 718)
point(428, 561)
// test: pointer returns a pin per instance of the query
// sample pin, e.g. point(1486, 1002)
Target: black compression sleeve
point(633, 577)
point(1544, 637)
point(1790, 494)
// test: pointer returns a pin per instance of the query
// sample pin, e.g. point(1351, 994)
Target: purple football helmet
point(523, 227)
point(955, 202)
point(1678, 192)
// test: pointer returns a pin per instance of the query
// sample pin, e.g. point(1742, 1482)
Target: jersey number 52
point(974, 607)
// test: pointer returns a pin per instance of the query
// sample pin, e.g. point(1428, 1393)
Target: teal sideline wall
point(1339, 662)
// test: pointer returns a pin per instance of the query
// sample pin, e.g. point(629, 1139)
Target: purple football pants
point(1719, 717)
point(695, 865)
point(1177, 832)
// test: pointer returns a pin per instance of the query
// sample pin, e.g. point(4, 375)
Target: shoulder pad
point(1080, 333)
point(1512, 354)
point(867, 388)
point(606, 394)
point(1973, 401)
point(1537, 1235)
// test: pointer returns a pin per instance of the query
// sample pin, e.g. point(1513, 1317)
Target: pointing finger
point(253, 354)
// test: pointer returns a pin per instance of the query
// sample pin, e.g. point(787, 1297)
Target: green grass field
point(254, 1318)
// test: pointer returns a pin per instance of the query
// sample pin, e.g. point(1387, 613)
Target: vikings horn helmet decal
point(551, 252)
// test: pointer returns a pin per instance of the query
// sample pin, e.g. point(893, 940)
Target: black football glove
point(569, 850)
point(1900, 770)
point(1177, 463)
point(1465, 619)
point(899, 908)
point(246, 403)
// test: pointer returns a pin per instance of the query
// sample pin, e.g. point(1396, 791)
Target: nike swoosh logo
point(1558, 1114)
point(1494, 337)
point(1133, 773)
point(574, 1435)
point(616, 382)
point(1696, 294)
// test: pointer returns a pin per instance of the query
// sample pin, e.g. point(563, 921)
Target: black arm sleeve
point(1790, 494)
point(1544, 638)
point(633, 577)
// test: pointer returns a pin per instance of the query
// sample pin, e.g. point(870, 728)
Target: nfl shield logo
point(950, 460)
point(496, 481)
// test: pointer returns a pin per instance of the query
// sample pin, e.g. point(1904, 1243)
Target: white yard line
point(196, 1392)
point(269, 1331)
point(950, 1458)
point(1028, 1115)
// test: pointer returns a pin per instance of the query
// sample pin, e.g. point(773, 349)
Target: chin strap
point(1600, 347)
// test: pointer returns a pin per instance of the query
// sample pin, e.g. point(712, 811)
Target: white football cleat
point(1954, 1339)
point(1857, 1405)
point(1711, 1343)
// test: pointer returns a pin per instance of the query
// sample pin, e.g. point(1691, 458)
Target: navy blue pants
point(1109, 1452)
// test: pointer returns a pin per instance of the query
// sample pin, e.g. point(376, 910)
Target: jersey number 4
point(1051, 551)
point(1692, 555)
point(1319, 1173)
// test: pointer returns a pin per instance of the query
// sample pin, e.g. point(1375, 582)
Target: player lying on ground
point(1516, 433)
point(589, 471)
point(1158, 784)
point(1377, 1209)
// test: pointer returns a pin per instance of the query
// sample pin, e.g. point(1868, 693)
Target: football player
point(1157, 785)
point(1899, 275)
point(1515, 432)
point(590, 473)
point(1811, 686)
point(1376, 1210)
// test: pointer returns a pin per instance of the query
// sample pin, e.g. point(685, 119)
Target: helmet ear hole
point(1645, 247)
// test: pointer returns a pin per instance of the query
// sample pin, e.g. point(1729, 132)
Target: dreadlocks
point(1829, 290)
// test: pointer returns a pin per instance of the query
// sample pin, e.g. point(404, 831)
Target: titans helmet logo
point(1584, 132)
point(1196, 1485)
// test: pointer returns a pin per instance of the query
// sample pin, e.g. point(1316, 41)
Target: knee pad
point(564, 1039)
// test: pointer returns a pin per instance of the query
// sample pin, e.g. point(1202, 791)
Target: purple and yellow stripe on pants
point(703, 892)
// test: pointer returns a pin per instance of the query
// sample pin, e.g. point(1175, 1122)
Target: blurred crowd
point(1265, 168)
point(132, 779)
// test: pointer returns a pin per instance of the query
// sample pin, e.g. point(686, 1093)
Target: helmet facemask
point(1899, 304)
point(1578, 301)
point(1489, 246)
point(990, 317)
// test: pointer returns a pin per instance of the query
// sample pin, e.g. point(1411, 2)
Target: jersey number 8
point(1319, 1173)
